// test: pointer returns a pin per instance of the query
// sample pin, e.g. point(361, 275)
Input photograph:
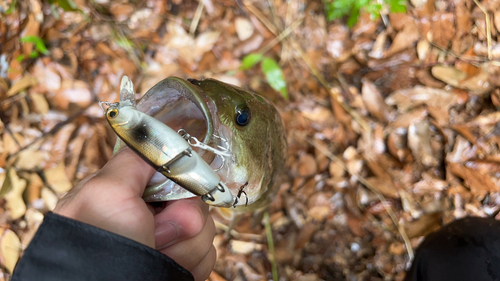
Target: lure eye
point(243, 117)
point(112, 113)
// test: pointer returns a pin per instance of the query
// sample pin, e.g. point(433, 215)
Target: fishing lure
point(165, 149)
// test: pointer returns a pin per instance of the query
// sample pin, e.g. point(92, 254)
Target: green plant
point(38, 44)
point(66, 5)
point(336, 9)
point(12, 7)
point(271, 70)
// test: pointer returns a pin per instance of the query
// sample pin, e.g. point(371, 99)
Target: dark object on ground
point(466, 249)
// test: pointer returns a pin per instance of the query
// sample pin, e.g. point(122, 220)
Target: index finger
point(130, 169)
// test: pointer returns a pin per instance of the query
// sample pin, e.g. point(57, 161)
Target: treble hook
point(193, 141)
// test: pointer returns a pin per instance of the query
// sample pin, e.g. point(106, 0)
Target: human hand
point(111, 199)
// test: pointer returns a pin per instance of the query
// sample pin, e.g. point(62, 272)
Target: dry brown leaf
point(424, 225)
point(32, 28)
point(423, 48)
point(73, 92)
point(374, 101)
point(319, 213)
point(462, 151)
point(479, 182)
point(384, 186)
point(405, 39)
point(35, 184)
point(307, 165)
point(75, 148)
point(336, 169)
point(24, 83)
point(92, 154)
point(60, 144)
point(479, 83)
point(380, 208)
point(377, 52)
point(353, 161)
point(449, 75)
point(405, 99)
point(244, 28)
point(121, 11)
point(338, 44)
point(12, 191)
point(319, 114)
point(443, 29)
point(215, 277)
point(10, 250)
point(420, 144)
point(31, 159)
point(305, 235)
point(48, 76)
point(40, 103)
point(56, 178)
point(429, 185)
point(354, 224)
point(407, 118)
point(49, 198)
point(366, 25)
point(243, 247)
point(34, 219)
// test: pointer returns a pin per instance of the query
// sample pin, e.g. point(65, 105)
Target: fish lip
point(188, 90)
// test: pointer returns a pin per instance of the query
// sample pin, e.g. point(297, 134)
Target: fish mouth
point(180, 105)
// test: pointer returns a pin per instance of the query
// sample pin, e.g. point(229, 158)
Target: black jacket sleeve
point(65, 249)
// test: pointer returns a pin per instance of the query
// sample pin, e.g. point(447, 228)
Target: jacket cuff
point(66, 249)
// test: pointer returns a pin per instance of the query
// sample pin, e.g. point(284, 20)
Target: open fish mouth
point(181, 106)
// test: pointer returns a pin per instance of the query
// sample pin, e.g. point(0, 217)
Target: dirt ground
point(391, 124)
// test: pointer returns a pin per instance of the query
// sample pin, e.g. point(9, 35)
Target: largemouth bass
point(238, 133)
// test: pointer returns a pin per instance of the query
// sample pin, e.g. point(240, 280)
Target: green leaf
point(20, 58)
point(250, 60)
point(374, 10)
point(123, 42)
point(33, 55)
point(38, 42)
point(12, 7)
point(274, 76)
point(67, 5)
point(397, 6)
point(338, 8)
point(353, 17)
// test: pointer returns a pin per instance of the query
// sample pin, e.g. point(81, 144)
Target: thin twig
point(270, 244)
point(488, 28)
point(280, 37)
point(196, 19)
point(262, 18)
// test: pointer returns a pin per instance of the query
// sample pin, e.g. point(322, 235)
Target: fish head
point(244, 127)
point(255, 136)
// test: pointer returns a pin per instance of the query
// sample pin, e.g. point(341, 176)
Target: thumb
point(127, 167)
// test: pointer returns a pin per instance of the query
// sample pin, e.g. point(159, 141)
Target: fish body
point(245, 126)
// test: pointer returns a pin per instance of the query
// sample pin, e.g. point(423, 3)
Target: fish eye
point(113, 113)
point(243, 117)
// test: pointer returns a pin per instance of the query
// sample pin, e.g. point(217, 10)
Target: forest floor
point(391, 124)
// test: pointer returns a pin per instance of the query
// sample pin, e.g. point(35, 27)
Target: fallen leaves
point(10, 249)
point(12, 191)
point(421, 83)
